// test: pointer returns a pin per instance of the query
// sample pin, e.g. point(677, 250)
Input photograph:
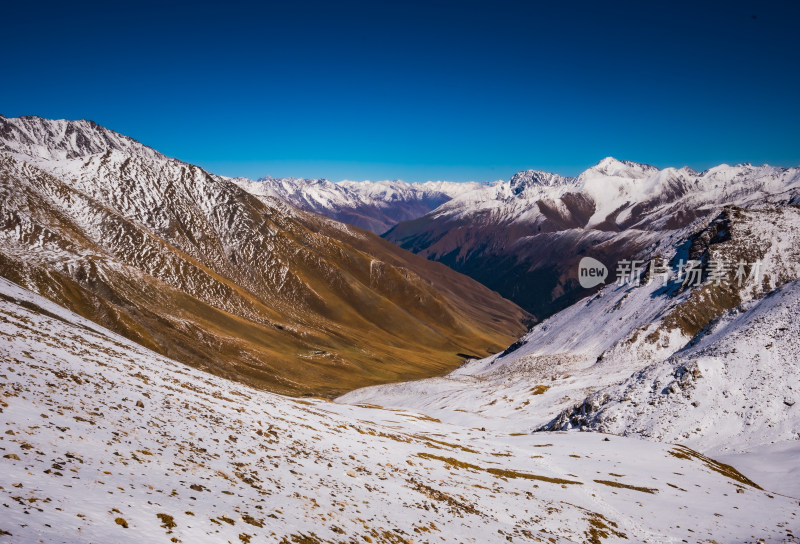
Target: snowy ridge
point(61, 139)
point(619, 186)
point(387, 191)
point(158, 452)
point(533, 229)
point(739, 379)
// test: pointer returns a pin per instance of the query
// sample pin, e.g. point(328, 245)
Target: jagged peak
point(57, 139)
point(746, 168)
point(293, 180)
point(610, 166)
point(535, 178)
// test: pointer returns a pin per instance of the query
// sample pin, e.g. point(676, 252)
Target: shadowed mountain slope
point(524, 238)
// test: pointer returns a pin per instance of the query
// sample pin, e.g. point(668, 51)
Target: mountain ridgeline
point(190, 265)
point(524, 238)
point(372, 205)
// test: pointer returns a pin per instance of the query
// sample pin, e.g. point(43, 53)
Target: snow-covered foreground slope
point(370, 205)
point(103, 440)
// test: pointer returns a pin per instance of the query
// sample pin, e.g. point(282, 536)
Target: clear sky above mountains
point(417, 90)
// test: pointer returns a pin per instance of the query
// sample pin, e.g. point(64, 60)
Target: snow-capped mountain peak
point(623, 169)
point(538, 225)
point(57, 139)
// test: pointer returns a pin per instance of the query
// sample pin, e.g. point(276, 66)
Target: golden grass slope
point(191, 266)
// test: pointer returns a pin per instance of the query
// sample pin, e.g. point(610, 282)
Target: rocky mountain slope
point(525, 237)
point(103, 440)
point(712, 366)
point(192, 266)
point(731, 392)
point(372, 205)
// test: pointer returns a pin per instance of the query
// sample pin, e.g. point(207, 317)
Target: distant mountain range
point(524, 238)
point(190, 265)
point(372, 205)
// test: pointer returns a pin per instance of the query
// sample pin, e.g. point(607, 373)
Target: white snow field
point(732, 394)
point(102, 440)
point(616, 362)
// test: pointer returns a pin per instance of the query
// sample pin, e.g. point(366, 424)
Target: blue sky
point(417, 90)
